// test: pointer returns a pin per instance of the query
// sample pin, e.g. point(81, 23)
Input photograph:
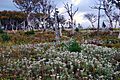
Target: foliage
point(30, 32)
point(5, 37)
point(14, 15)
point(77, 29)
point(1, 31)
point(73, 46)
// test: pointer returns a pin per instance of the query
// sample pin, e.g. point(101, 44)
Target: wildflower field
point(67, 60)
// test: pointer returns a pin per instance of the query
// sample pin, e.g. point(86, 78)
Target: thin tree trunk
point(60, 31)
point(0, 23)
point(99, 17)
point(6, 27)
point(57, 32)
point(110, 20)
point(92, 25)
point(115, 24)
point(119, 18)
point(72, 25)
point(44, 26)
point(111, 24)
point(24, 26)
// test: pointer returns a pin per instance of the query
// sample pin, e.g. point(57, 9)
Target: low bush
point(30, 32)
point(73, 46)
point(1, 31)
point(5, 37)
point(77, 30)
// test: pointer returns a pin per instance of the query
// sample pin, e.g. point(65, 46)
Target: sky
point(83, 5)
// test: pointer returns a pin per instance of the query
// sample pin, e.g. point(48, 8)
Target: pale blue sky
point(83, 5)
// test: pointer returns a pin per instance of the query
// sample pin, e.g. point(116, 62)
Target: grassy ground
point(109, 39)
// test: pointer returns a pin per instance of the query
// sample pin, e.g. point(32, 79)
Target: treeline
point(12, 17)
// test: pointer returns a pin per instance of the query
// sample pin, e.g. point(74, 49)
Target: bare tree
point(108, 11)
point(116, 18)
point(99, 7)
point(107, 6)
point(57, 30)
point(46, 7)
point(38, 6)
point(26, 5)
point(116, 2)
point(71, 14)
point(61, 21)
point(92, 18)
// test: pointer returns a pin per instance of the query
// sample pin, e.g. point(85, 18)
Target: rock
point(117, 57)
point(114, 62)
point(118, 68)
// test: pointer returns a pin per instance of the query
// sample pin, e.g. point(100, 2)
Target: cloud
point(76, 2)
point(61, 10)
point(79, 17)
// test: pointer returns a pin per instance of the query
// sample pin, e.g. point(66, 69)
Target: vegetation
point(55, 53)
point(1, 31)
point(73, 46)
point(45, 61)
point(30, 32)
point(5, 37)
point(77, 29)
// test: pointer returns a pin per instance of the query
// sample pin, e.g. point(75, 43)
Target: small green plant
point(1, 31)
point(5, 37)
point(77, 30)
point(30, 32)
point(73, 46)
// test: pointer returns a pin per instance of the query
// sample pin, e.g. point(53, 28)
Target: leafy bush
point(73, 46)
point(30, 32)
point(77, 30)
point(5, 37)
point(1, 31)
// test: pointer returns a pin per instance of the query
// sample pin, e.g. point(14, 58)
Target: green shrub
point(30, 32)
point(73, 46)
point(5, 37)
point(1, 31)
point(77, 30)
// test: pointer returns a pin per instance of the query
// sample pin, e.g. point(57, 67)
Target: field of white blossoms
point(65, 61)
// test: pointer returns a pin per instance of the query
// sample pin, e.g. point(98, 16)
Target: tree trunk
point(24, 25)
point(110, 20)
point(115, 24)
point(99, 17)
point(44, 26)
point(72, 25)
point(111, 24)
point(0, 23)
point(119, 19)
point(6, 27)
point(57, 37)
point(92, 25)
point(60, 32)
point(57, 32)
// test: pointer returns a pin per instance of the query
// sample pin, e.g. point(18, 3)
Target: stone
point(117, 57)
